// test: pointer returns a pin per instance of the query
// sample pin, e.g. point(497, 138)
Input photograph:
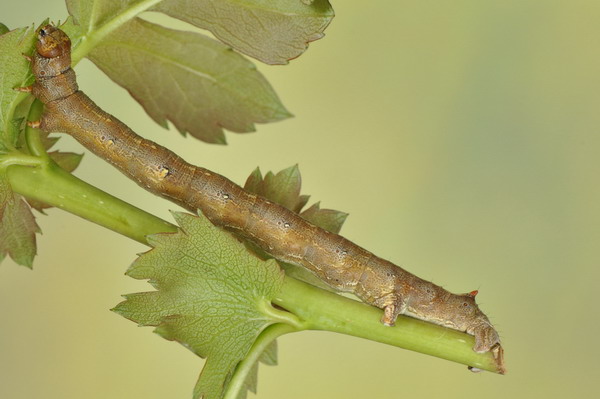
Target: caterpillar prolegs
point(282, 233)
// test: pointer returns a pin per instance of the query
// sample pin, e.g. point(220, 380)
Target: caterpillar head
point(53, 52)
point(462, 313)
point(465, 315)
point(459, 312)
point(52, 42)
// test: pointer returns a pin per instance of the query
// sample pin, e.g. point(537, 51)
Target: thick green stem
point(324, 310)
point(315, 308)
point(52, 185)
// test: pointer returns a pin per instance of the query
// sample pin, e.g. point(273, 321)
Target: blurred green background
point(462, 138)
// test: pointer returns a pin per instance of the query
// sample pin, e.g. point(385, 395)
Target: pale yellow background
point(461, 136)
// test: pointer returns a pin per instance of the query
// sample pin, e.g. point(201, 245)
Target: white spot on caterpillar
point(163, 172)
point(286, 225)
point(225, 196)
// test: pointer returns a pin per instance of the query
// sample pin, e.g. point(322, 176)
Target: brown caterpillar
point(282, 233)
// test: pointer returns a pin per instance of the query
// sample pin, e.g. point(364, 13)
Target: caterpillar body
point(282, 233)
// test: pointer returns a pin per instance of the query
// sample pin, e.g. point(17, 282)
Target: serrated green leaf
point(272, 31)
point(195, 82)
point(268, 357)
point(212, 296)
point(328, 219)
point(14, 72)
point(254, 181)
point(69, 161)
point(17, 226)
point(282, 188)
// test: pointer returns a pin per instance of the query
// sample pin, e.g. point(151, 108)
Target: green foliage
point(284, 189)
point(272, 31)
point(17, 226)
point(199, 79)
point(17, 223)
point(91, 15)
point(212, 296)
point(14, 72)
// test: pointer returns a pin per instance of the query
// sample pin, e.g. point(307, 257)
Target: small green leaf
point(69, 161)
point(269, 356)
point(328, 219)
point(272, 31)
point(189, 79)
point(254, 181)
point(284, 189)
point(14, 72)
point(212, 296)
point(3, 28)
point(17, 226)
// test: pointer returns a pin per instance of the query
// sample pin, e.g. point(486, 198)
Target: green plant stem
point(324, 310)
point(52, 185)
point(269, 335)
point(316, 309)
point(95, 35)
point(32, 136)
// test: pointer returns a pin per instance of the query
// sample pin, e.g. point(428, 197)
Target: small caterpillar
point(282, 233)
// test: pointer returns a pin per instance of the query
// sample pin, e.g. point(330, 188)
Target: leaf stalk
point(93, 36)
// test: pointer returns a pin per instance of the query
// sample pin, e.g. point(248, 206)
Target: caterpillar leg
point(26, 89)
point(391, 312)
